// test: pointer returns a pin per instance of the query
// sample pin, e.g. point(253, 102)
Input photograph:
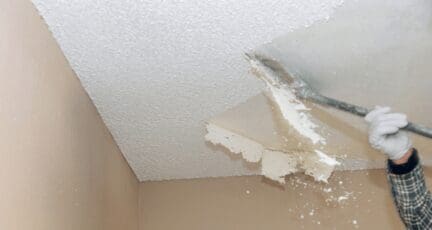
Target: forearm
point(410, 193)
point(404, 158)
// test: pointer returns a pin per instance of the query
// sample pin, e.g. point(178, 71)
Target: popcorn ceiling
point(156, 70)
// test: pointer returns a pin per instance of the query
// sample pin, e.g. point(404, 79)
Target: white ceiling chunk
point(157, 70)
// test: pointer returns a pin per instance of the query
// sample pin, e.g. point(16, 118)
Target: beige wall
point(59, 166)
point(255, 204)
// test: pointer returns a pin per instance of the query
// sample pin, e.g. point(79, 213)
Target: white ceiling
point(157, 70)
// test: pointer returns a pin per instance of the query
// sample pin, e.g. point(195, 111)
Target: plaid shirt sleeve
point(410, 194)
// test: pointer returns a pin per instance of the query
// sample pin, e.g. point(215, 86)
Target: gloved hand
point(384, 133)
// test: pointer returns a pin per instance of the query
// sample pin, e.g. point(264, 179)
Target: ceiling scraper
point(276, 75)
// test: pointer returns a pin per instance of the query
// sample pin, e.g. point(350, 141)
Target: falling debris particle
point(301, 216)
point(344, 197)
point(248, 192)
point(311, 213)
point(341, 198)
point(327, 190)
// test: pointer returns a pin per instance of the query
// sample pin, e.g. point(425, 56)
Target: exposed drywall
point(59, 166)
point(157, 70)
point(352, 200)
point(368, 53)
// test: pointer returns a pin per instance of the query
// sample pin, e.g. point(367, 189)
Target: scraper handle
point(361, 111)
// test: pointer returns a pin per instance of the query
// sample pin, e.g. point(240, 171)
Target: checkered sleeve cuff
point(412, 162)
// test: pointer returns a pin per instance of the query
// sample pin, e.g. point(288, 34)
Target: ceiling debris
point(256, 130)
point(251, 151)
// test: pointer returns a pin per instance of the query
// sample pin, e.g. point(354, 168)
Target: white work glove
point(384, 133)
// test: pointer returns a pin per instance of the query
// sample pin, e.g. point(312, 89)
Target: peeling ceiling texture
point(157, 70)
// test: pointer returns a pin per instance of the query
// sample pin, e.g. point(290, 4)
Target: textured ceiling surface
point(157, 70)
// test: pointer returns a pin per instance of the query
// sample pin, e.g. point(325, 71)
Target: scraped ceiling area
point(157, 70)
point(386, 54)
